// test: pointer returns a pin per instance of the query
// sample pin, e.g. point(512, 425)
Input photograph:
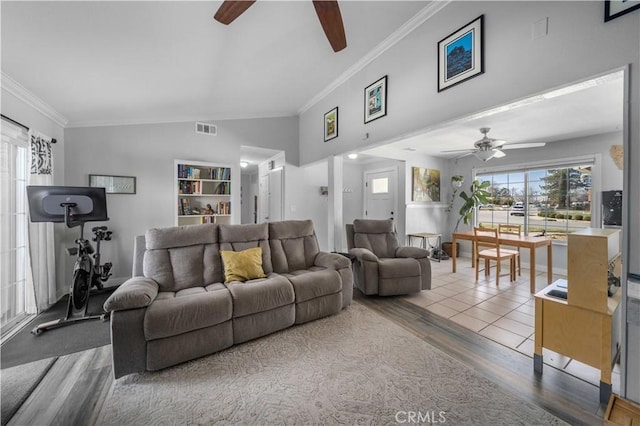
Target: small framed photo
point(616, 8)
point(460, 55)
point(375, 100)
point(114, 184)
point(331, 125)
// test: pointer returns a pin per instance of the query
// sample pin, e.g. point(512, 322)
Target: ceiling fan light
point(484, 155)
point(498, 154)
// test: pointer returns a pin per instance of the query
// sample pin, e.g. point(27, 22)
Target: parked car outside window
point(517, 209)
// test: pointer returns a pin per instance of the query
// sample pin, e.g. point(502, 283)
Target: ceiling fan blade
point(330, 18)
point(463, 155)
point(523, 145)
point(230, 10)
point(458, 150)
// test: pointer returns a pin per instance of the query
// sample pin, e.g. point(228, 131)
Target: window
point(13, 225)
point(380, 185)
point(553, 200)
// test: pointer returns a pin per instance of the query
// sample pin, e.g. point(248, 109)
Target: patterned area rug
point(353, 368)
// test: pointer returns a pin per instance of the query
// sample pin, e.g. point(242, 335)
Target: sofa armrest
point(136, 292)
point(414, 252)
point(331, 260)
point(363, 254)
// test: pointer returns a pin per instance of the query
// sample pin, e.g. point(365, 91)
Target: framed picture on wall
point(114, 184)
point(616, 8)
point(331, 124)
point(460, 55)
point(375, 100)
point(425, 184)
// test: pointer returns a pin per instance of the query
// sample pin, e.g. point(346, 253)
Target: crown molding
point(418, 19)
point(183, 119)
point(19, 91)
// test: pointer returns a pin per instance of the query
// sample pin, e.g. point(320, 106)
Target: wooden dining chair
point(511, 229)
point(487, 247)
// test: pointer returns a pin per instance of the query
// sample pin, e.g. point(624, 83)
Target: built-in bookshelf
point(203, 193)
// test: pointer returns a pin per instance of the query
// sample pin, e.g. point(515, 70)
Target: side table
point(425, 236)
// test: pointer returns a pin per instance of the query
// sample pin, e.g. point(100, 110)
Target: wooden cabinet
point(589, 253)
point(203, 192)
point(585, 326)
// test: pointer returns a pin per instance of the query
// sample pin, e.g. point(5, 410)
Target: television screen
point(45, 203)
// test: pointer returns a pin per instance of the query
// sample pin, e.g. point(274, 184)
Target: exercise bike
point(87, 273)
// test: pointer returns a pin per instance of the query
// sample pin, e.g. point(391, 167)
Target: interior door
point(380, 194)
point(275, 195)
point(263, 204)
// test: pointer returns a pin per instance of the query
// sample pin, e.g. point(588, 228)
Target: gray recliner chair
point(382, 266)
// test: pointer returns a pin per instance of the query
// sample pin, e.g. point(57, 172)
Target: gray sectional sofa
point(177, 307)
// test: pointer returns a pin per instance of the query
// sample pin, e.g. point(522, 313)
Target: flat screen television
point(45, 203)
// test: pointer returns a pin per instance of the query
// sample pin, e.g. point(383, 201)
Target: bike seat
point(98, 228)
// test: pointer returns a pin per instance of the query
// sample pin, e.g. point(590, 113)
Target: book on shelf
point(184, 207)
point(220, 173)
point(188, 172)
point(189, 187)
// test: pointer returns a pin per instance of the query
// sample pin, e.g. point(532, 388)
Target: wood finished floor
point(75, 388)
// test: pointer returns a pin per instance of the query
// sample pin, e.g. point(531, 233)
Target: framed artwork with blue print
point(616, 8)
point(460, 55)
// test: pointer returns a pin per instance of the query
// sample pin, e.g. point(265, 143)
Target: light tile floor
point(503, 313)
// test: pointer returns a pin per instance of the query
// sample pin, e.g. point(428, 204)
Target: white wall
point(353, 195)
point(21, 112)
point(516, 67)
point(427, 216)
point(314, 205)
point(148, 153)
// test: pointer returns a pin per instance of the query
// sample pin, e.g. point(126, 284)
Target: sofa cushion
point(174, 313)
point(376, 236)
point(398, 268)
point(242, 237)
point(260, 295)
point(183, 256)
point(242, 265)
point(293, 245)
point(309, 284)
point(180, 236)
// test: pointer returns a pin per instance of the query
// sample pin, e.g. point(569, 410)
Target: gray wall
point(148, 153)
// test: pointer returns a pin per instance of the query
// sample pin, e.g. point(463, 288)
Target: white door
point(275, 195)
point(380, 194)
point(263, 203)
point(270, 207)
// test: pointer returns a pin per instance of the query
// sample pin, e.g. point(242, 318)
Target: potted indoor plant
point(478, 195)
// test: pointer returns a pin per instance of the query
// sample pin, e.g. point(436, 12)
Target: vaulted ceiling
point(124, 62)
point(115, 62)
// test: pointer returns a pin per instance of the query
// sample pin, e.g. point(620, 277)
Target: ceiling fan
point(488, 148)
point(328, 13)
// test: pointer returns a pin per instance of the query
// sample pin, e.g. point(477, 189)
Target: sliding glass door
point(13, 226)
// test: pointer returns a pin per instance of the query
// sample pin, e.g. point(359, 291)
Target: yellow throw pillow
point(242, 265)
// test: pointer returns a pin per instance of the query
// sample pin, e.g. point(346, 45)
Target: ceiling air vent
point(207, 129)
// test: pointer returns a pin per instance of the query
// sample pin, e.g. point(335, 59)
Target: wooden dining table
point(524, 241)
